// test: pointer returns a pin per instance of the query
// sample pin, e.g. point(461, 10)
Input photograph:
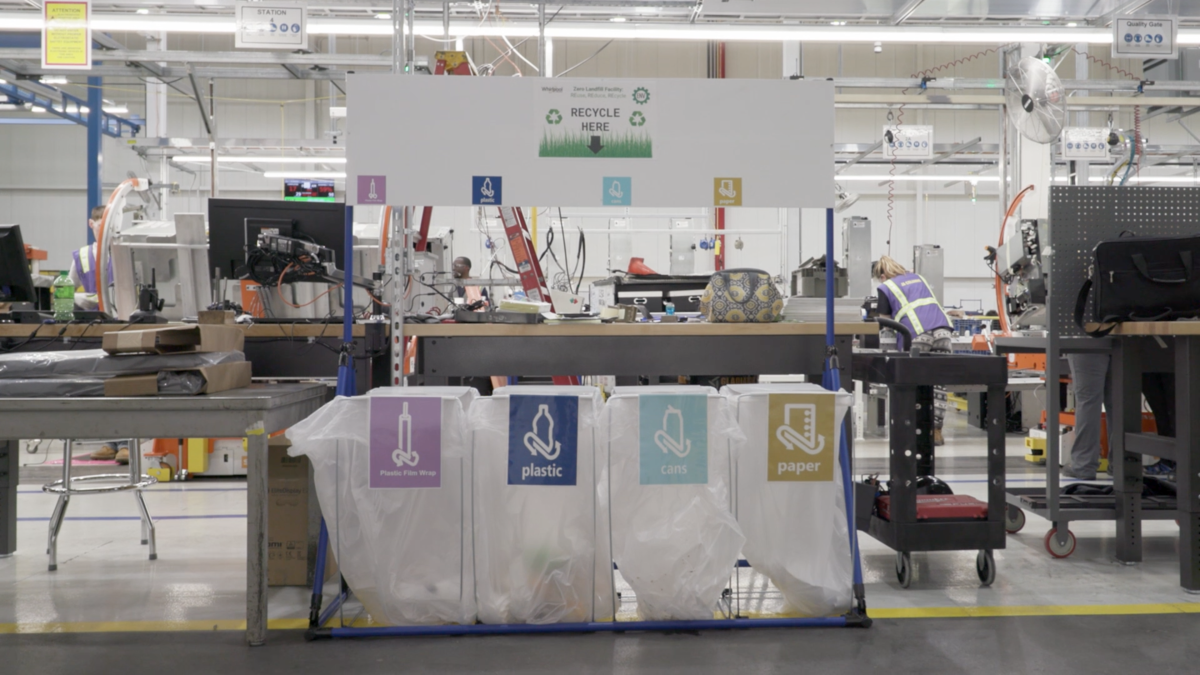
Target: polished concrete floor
point(106, 592)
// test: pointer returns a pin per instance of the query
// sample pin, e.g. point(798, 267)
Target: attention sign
point(67, 35)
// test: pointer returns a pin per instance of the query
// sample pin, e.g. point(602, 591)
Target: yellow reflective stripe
point(907, 308)
point(85, 263)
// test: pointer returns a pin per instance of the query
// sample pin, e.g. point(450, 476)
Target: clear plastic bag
point(674, 537)
point(789, 497)
point(541, 553)
point(98, 364)
point(406, 553)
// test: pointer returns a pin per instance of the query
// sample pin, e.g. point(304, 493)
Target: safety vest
point(85, 263)
point(914, 305)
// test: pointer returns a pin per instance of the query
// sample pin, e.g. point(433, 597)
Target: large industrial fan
point(1037, 102)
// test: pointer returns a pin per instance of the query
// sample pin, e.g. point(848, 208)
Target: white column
point(156, 118)
point(1034, 166)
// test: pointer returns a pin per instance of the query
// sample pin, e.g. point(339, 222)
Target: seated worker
point(470, 294)
point(83, 267)
point(908, 298)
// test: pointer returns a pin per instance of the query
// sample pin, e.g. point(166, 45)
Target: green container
point(63, 294)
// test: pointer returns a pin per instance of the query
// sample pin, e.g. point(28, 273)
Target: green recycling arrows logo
point(641, 96)
point(637, 119)
point(554, 116)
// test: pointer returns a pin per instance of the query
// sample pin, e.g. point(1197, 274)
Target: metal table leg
point(256, 535)
point(135, 476)
point(1187, 460)
point(10, 451)
point(1127, 466)
point(60, 510)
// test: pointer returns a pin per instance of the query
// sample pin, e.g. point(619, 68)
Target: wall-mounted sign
point(681, 142)
point(271, 25)
point(911, 141)
point(1146, 37)
point(1085, 143)
point(67, 34)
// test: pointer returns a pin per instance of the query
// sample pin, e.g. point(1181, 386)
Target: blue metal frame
point(857, 617)
point(72, 107)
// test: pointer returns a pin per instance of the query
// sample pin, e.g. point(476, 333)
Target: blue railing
point(69, 108)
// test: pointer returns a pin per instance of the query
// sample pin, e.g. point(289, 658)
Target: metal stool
point(67, 486)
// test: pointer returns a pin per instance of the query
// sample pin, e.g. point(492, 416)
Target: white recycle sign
point(616, 191)
point(668, 443)
point(486, 189)
point(405, 454)
point(536, 444)
point(726, 189)
point(809, 441)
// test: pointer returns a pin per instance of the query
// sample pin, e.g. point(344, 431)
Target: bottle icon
point(486, 189)
point(616, 191)
point(668, 443)
point(371, 193)
point(63, 292)
point(536, 445)
point(405, 454)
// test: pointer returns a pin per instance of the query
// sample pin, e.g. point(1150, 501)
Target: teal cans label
point(673, 435)
point(617, 191)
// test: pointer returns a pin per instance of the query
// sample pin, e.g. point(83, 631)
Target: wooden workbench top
point(630, 329)
point(1154, 328)
point(264, 330)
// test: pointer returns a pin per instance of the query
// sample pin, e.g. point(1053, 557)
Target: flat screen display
point(308, 190)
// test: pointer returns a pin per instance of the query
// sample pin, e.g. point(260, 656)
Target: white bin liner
point(790, 500)
point(675, 539)
point(541, 551)
point(403, 544)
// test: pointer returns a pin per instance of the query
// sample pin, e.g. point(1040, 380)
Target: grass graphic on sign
point(631, 145)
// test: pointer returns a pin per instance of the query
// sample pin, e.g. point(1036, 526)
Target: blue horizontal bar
point(593, 627)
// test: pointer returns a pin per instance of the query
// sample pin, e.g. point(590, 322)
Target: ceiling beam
point(907, 10)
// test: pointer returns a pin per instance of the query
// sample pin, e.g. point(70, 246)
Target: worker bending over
point(908, 299)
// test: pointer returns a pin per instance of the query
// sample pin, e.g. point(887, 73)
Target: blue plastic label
point(543, 440)
point(673, 435)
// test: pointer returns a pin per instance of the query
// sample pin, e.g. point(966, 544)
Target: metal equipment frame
point(1080, 218)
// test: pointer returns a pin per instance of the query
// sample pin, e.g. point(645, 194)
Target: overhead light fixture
point(1072, 24)
point(37, 109)
point(304, 174)
point(917, 179)
point(1185, 180)
point(384, 16)
point(837, 23)
point(337, 111)
point(143, 11)
point(249, 159)
point(618, 19)
point(116, 109)
point(3, 81)
point(8, 107)
point(53, 79)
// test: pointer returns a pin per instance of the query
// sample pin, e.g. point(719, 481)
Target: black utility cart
point(903, 520)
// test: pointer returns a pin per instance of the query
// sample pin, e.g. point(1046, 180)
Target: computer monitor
point(308, 190)
point(16, 283)
point(234, 226)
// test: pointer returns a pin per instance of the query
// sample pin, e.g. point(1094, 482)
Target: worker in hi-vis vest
point(908, 299)
point(83, 267)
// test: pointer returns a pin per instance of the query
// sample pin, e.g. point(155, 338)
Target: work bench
point(628, 350)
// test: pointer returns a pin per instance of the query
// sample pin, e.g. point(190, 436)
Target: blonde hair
point(888, 267)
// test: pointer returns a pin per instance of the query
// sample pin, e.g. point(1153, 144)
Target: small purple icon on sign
point(406, 442)
point(372, 189)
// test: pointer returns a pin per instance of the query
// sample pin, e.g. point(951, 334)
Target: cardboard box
point(293, 522)
point(216, 317)
point(217, 378)
point(175, 339)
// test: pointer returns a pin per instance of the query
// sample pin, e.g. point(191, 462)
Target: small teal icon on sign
point(617, 191)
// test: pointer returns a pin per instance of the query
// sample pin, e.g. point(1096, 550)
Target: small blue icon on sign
point(1129, 37)
point(1158, 39)
point(617, 191)
point(1137, 38)
point(486, 190)
point(1070, 146)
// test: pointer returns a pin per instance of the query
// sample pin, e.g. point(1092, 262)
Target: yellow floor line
point(876, 613)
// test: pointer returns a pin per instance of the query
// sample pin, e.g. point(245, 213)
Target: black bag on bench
point(1142, 279)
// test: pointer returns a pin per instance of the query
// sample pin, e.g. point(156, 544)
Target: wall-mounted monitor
point(308, 190)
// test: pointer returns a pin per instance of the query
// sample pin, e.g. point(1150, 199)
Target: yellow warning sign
point(800, 437)
point(727, 192)
point(67, 35)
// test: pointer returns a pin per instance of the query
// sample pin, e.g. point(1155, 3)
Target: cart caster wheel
point(985, 567)
point(904, 569)
point(1014, 519)
point(1058, 550)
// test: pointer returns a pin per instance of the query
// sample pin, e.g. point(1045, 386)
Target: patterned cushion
point(741, 296)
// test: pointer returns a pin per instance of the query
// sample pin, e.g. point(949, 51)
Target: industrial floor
point(1082, 614)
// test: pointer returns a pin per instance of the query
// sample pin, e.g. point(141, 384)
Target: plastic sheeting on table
point(674, 537)
point(541, 545)
point(406, 553)
point(98, 364)
point(170, 382)
point(789, 498)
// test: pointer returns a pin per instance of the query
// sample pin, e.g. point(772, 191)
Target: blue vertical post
point(830, 277)
point(346, 385)
point(95, 102)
